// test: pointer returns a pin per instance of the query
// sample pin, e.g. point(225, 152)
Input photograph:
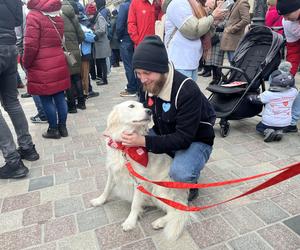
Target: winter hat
point(100, 4)
point(151, 55)
point(287, 6)
point(90, 9)
point(281, 81)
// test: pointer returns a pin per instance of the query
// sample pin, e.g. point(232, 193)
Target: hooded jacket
point(43, 58)
point(73, 35)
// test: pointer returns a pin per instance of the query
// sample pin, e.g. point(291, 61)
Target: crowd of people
point(65, 47)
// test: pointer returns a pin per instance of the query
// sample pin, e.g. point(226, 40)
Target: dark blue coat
point(121, 26)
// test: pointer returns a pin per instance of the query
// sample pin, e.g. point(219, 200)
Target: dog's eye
point(131, 106)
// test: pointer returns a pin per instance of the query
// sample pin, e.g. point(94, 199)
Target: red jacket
point(141, 19)
point(273, 19)
point(44, 59)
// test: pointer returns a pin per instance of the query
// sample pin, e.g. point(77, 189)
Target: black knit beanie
point(151, 55)
point(287, 6)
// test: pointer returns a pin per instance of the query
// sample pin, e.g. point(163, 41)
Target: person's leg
point(296, 111)
point(38, 104)
point(103, 64)
point(51, 112)
point(188, 73)
point(92, 69)
point(126, 50)
point(11, 104)
point(230, 55)
point(108, 66)
point(70, 93)
point(85, 76)
point(187, 164)
point(62, 111)
point(79, 90)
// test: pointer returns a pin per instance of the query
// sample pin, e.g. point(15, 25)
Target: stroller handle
point(237, 69)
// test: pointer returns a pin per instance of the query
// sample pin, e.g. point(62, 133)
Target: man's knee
point(181, 175)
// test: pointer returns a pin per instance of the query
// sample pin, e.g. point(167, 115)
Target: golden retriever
point(131, 116)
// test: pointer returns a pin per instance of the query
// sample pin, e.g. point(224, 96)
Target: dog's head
point(130, 116)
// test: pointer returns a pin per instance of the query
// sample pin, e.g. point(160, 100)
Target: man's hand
point(133, 140)
point(219, 13)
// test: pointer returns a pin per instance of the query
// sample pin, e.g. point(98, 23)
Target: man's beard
point(157, 86)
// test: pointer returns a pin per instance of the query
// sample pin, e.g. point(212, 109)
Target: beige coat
point(238, 19)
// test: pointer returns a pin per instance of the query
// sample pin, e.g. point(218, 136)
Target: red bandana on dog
point(138, 154)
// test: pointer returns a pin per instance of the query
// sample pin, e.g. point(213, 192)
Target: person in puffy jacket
point(47, 71)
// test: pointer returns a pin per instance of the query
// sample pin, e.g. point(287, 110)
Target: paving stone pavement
point(50, 208)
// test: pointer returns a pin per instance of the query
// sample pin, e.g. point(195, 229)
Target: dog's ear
point(113, 122)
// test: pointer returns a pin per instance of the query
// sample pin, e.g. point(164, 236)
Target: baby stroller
point(257, 56)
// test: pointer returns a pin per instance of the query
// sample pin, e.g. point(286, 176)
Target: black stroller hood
point(259, 35)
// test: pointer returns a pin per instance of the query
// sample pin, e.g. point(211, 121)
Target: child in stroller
point(278, 101)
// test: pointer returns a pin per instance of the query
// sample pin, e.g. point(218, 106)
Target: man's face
point(152, 82)
point(293, 16)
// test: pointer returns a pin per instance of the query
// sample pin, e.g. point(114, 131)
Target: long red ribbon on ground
point(286, 173)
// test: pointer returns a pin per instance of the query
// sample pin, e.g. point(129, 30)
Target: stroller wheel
point(224, 129)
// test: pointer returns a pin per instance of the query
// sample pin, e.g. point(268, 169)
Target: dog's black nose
point(148, 111)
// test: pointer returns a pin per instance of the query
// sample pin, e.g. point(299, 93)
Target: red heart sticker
point(286, 103)
point(150, 102)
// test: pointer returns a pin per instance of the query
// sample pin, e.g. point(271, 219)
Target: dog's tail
point(176, 224)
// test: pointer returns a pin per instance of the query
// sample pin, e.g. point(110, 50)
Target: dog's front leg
point(136, 209)
point(110, 183)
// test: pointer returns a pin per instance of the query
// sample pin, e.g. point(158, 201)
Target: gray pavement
point(50, 208)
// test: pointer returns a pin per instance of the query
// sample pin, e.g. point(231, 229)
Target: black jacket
point(188, 117)
point(10, 17)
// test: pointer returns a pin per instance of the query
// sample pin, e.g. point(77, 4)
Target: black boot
point(29, 154)
point(193, 194)
point(13, 170)
point(72, 108)
point(81, 103)
point(52, 133)
point(206, 72)
point(217, 74)
point(63, 130)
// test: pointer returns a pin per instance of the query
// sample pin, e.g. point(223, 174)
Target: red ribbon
point(286, 173)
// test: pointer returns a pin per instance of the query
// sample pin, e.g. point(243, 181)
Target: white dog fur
point(132, 116)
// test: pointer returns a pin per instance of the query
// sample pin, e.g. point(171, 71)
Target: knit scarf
point(199, 12)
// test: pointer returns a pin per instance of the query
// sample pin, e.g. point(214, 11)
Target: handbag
point(70, 58)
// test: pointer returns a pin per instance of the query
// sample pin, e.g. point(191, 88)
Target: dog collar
point(138, 154)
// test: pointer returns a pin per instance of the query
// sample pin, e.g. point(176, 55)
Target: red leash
point(285, 173)
point(288, 172)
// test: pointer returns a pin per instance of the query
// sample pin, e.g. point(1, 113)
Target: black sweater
point(177, 127)
point(10, 17)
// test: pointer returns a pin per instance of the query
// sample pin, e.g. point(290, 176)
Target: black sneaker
point(93, 94)
point(290, 129)
point(269, 134)
point(81, 106)
point(37, 119)
point(29, 154)
point(26, 95)
point(72, 110)
point(13, 170)
point(193, 194)
point(52, 133)
point(63, 130)
point(278, 135)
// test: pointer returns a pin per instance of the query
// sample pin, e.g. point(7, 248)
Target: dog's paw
point(128, 225)
point(159, 223)
point(97, 202)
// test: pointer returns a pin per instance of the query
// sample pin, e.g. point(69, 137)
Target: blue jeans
point(188, 163)
point(39, 107)
point(10, 103)
point(55, 105)
point(189, 73)
point(126, 50)
point(260, 128)
point(296, 110)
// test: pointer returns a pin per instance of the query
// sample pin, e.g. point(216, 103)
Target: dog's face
point(128, 116)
